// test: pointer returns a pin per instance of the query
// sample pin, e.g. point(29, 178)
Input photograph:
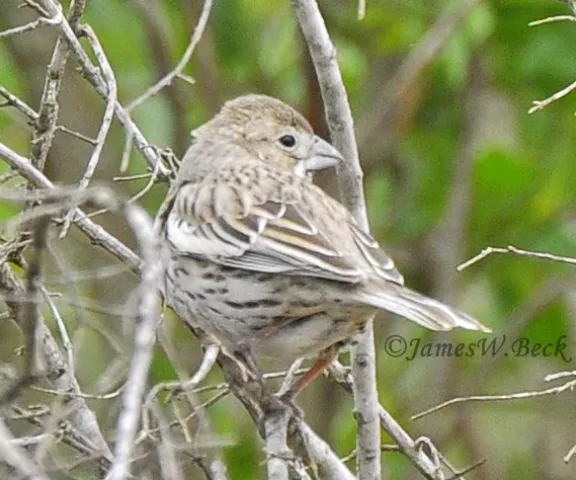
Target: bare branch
point(538, 105)
point(301, 439)
point(516, 251)
point(405, 443)
point(34, 6)
point(361, 9)
point(208, 361)
point(66, 342)
point(14, 101)
point(340, 123)
point(28, 314)
point(512, 396)
point(142, 226)
point(95, 232)
point(570, 454)
point(276, 433)
point(177, 72)
point(110, 79)
point(327, 461)
point(45, 125)
point(56, 370)
point(92, 74)
point(40, 22)
point(16, 457)
point(557, 18)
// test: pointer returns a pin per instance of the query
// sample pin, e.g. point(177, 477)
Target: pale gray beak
point(322, 155)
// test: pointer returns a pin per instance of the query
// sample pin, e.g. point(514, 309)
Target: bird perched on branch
point(263, 260)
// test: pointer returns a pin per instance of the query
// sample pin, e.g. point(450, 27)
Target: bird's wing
point(273, 232)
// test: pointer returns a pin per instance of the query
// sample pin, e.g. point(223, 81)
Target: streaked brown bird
point(265, 261)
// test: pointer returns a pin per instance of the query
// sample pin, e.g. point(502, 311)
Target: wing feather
point(220, 222)
point(375, 256)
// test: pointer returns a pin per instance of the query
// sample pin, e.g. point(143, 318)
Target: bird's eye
point(287, 140)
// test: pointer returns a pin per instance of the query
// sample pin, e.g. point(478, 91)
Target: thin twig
point(28, 111)
point(516, 251)
point(126, 152)
point(20, 105)
point(40, 22)
point(491, 398)
point(131, 178)
point(557, 18)
point(66, 342)
point(208, 361)
point(32, 440)
point(95, 232)
point(570, 454)
point(91, 396)
point(93, 76)
point(29, 314)
point(406, 444)
point(16, 457)
point(361, 9)
point(107, 118)
point(148, 186)
point(167, 79)
point(538, 105)
point(34, 6)
point(80, 136)
point(290, 375)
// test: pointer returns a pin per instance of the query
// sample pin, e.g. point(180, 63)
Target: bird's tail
point(423, 310)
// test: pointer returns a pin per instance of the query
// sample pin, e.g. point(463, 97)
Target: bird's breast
point(280, 316)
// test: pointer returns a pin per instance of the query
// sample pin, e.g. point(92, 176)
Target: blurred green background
point(453, 163)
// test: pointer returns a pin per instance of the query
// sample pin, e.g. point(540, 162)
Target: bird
point(265, 261)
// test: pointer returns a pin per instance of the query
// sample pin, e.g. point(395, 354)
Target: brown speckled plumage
point(257, 255)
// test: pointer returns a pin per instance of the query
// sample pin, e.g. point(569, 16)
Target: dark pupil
point(288, 140)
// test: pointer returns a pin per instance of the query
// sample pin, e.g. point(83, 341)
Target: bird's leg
point(325, 358)
point(243, 353)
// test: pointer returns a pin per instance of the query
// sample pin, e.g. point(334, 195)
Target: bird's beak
point(322, 155)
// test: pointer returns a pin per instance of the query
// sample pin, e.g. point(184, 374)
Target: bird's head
point(273, 131)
